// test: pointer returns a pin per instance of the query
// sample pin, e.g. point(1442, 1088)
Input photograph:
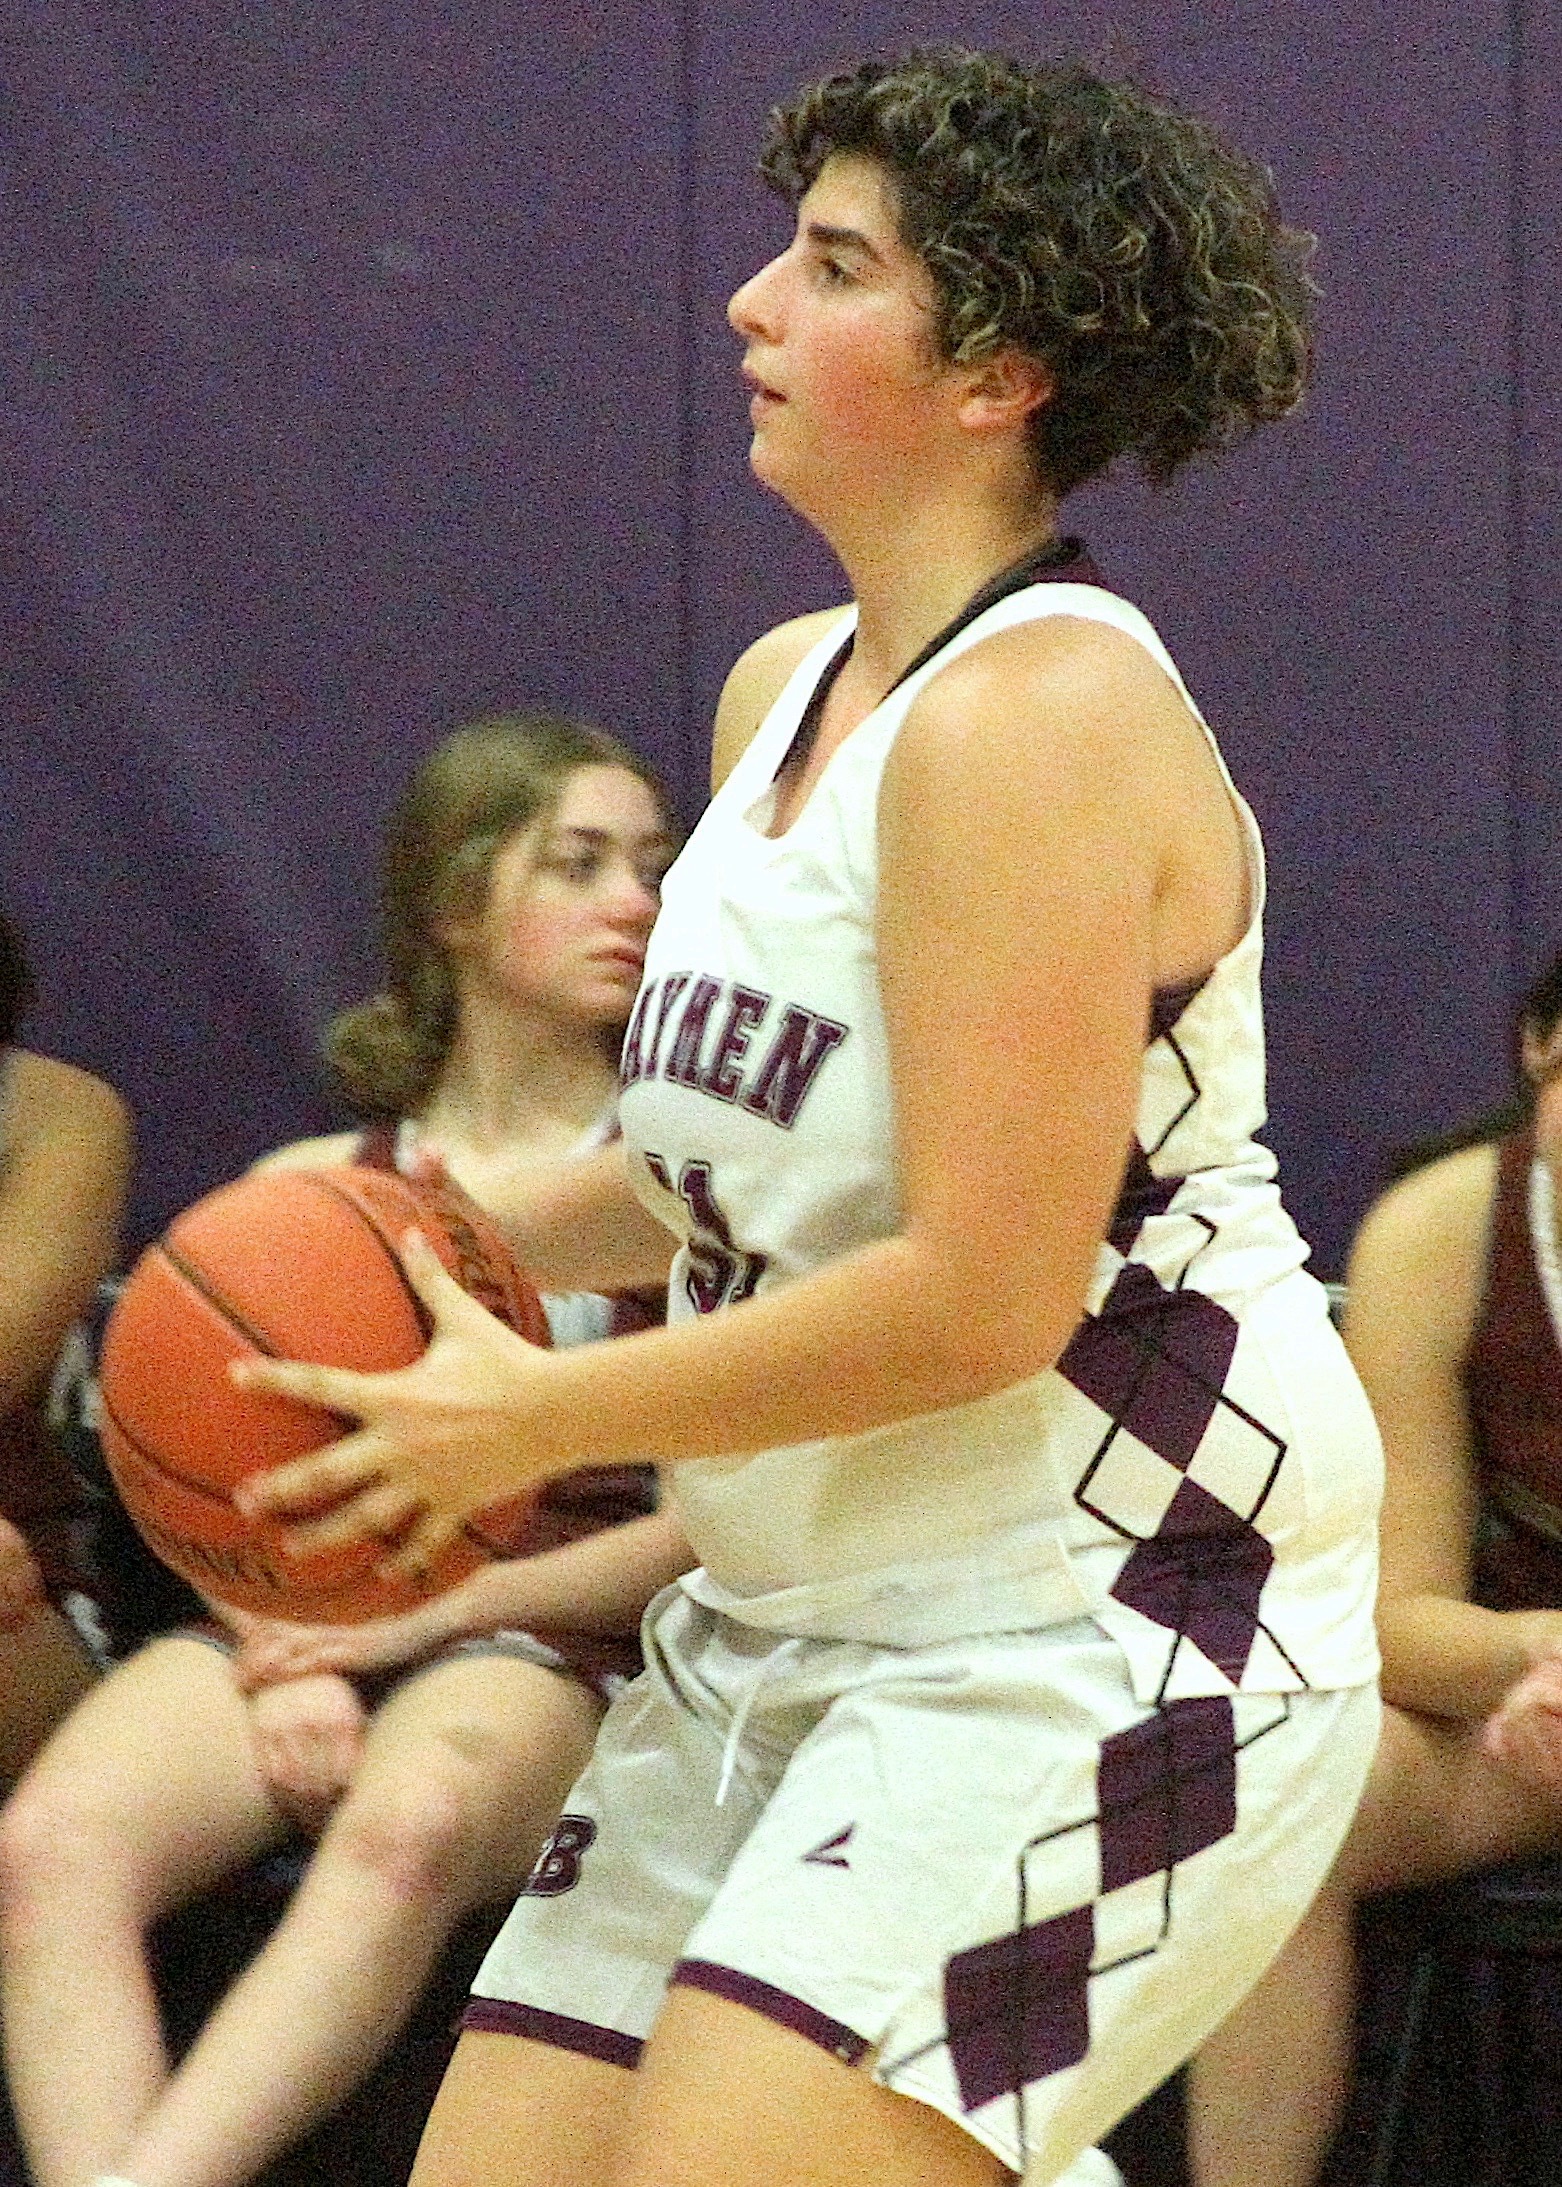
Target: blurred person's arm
point(1416, 1281)
point(65, 1151)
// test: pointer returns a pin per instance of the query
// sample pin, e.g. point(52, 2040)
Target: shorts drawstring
point(734, 1739)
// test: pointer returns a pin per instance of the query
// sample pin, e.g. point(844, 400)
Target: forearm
point(897, 1328)
point(1455, 1659)
point(585, 1229)
point(599, 1585)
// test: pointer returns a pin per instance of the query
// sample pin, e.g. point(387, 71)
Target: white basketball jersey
point(1200, 1469)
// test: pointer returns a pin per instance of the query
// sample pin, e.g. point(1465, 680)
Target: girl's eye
point(833, 273)
point(576, 866)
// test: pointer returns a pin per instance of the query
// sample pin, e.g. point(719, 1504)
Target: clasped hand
point(1524, 1732)
point(436, 1442)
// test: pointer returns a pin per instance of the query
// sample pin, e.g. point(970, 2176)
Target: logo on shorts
point(832, 1854)
point(558, 1864)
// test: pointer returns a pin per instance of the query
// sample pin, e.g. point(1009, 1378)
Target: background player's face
point(571, 901)
point(849, 391)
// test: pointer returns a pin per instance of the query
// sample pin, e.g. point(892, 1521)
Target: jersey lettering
point(558, 1864)
point(683, 1064)
point(685, 1006)
point(720, 1273)
point(792, 1065)
point(722, 1078)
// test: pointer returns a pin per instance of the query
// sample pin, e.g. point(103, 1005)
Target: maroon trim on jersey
point(1512, 1375)
point(497, 2016)
point(376, 1148)
point(1062, 562)
point(779, 2005)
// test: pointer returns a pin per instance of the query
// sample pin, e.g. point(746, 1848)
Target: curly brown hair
point(1125, 244)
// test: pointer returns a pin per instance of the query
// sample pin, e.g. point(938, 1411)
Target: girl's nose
point(751, 311)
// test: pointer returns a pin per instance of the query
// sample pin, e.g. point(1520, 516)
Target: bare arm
point(599, 1585)
point(756, 681)
point(1023, 822)
point(1415, 1285)
point(63, 1176)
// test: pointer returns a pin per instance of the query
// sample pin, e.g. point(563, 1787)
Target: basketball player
point(426, 1754)
point(1026, 1686)
point(65, 1157)
point(1455, 1319)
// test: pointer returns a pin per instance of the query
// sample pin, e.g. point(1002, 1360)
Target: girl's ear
point(1004, 389)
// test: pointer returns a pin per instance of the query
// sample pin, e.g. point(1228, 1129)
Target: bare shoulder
point(57, 1100)
point(1422, 1246)
point(1081, 682)
point(326, 1152)
point(756, 681)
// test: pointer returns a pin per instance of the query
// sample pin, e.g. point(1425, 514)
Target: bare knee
point(57, 1844)
point(412, 1833)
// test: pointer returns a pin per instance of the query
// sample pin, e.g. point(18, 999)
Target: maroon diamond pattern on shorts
point(1166, 1789)
point(1201, 1574)
point(1155, 1361)
point(1017, 2009)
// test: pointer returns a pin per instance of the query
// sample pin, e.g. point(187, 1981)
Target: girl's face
point(571, 901)
point(849, 391)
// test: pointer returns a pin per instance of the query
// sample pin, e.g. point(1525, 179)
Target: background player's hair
point(462, 805)
point(1127, 245)
point(16, 981)
point(1539, 1015)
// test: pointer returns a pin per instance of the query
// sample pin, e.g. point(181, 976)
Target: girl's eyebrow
point(603, 838)
point(852, 239)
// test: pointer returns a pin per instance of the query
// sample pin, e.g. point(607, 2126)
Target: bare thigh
point(156, 1768)
point(722, 2095)
point(477, 1754)
point(1437, 1804)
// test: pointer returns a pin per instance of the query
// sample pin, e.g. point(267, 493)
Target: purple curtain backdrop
point(362, 369)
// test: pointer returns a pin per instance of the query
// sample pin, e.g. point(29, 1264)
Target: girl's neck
point(913, 573)
point(513, 1080)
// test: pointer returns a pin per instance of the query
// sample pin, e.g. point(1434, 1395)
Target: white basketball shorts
point(981, 1869)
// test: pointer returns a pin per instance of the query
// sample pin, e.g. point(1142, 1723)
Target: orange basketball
point(288, 1264)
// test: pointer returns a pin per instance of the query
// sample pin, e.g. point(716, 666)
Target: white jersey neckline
point(750, 788)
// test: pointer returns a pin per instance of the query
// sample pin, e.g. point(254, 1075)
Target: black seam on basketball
point(213, 1297)
point(318, 1591)
point(376, 1229)
point(159, 1464)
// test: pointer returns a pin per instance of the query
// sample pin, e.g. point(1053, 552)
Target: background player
point(1454, 1317)
point(982, 1764)
point(521, 879)
point(65, 1153)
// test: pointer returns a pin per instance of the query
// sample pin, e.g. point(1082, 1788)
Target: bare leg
point(511, 2113)
point(1267, 2091)
point(44, 1672)
point(463, 1774)
point(723, 2095)
point(145, 1796)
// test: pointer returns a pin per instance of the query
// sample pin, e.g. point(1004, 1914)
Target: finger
point(314, 1483)
point(383, 1513)
point(421, 1543)
point(256, 1668)
point(433, 1282)
point(330, 1389)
